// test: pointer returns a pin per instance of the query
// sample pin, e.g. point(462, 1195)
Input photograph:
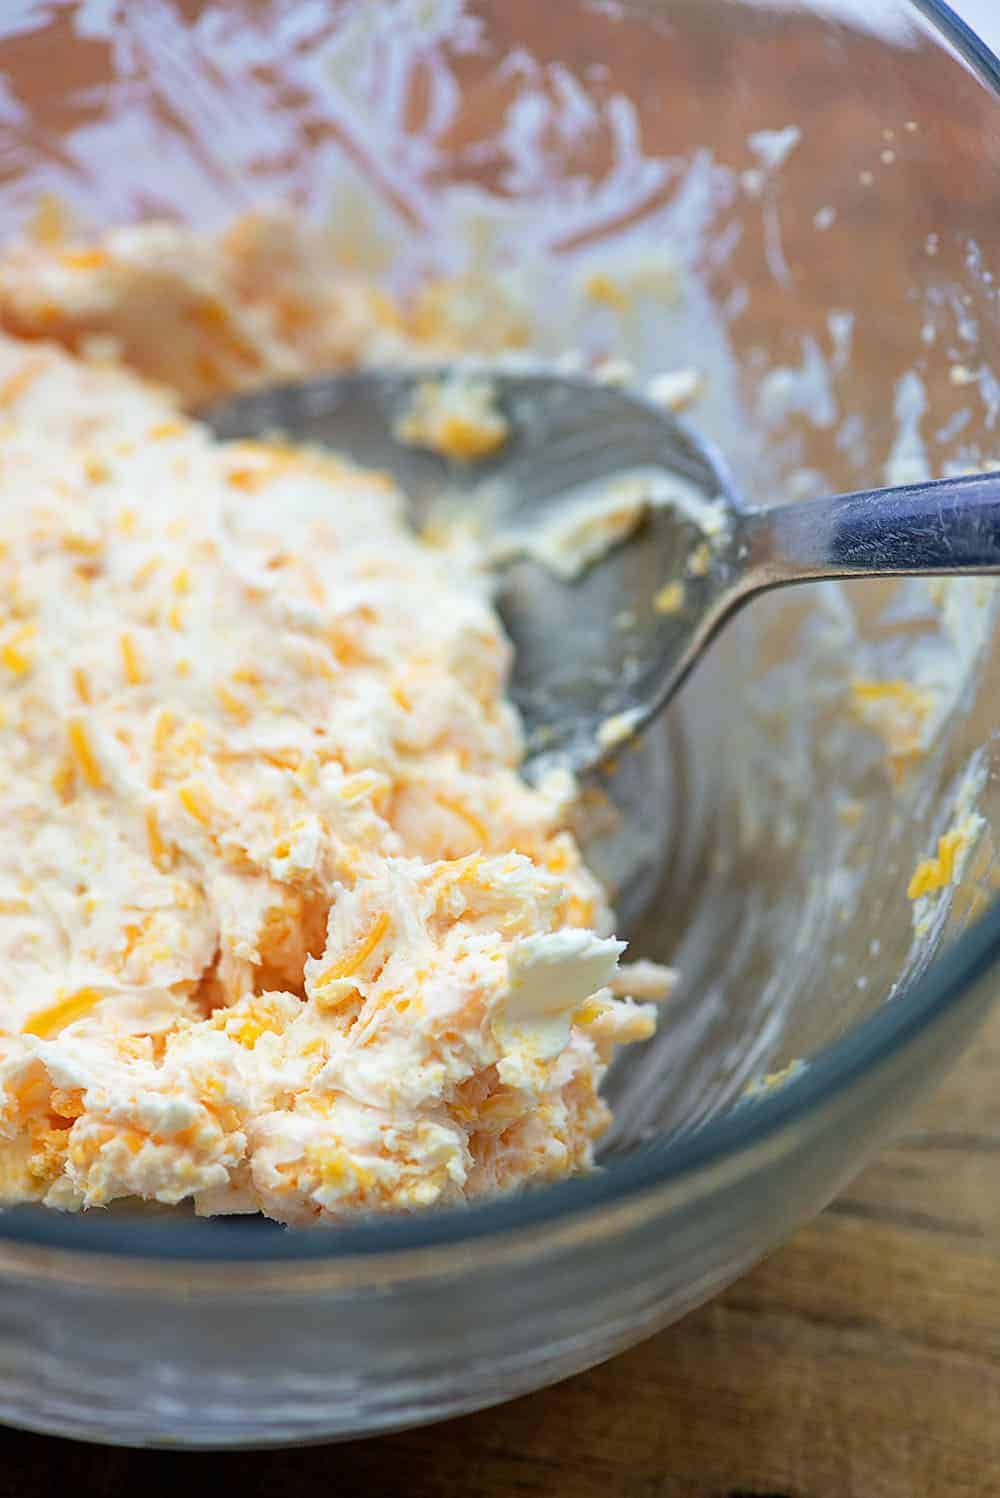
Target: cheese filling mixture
point(282, 930)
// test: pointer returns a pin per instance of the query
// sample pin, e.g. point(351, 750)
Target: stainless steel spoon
point(597, 656)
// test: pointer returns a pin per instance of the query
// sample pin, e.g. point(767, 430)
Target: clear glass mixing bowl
point(796, 199)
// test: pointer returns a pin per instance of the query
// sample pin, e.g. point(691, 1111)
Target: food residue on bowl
point(457, 418)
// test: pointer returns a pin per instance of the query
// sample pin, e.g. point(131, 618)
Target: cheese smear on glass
point(282, 929)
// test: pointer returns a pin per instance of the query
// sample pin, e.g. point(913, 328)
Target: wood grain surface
point(861, 1361)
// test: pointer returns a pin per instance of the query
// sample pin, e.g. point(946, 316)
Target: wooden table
point(862, 1361)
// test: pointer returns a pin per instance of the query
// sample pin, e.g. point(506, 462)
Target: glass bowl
point(796, 200)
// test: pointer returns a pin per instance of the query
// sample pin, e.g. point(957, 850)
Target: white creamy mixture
point(281, 927)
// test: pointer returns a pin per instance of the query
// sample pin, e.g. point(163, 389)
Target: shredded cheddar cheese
point(476, 825)
point(20, 382)
point(457, 418)
point(17, 660)
point(359, 954)
point(273, 897)
point(600, 287)
point(157, 847)
point(92, 258)
point(48, 1022)
point(670, 598)
point(234, 706)
point(83, 754)
point(196, 801)
point(934, 874)
point(131, 660)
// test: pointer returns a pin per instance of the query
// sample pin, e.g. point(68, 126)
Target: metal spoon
point(597, 656)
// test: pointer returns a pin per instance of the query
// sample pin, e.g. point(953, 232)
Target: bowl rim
point(831, 1072)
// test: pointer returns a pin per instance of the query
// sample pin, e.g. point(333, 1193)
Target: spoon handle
point(945, 525)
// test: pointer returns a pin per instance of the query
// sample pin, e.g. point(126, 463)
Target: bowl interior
point(792, 201)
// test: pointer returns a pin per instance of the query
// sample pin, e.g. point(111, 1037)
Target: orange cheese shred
point(48, 1022)
point(359, 953)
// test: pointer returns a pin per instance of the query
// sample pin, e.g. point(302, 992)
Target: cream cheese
point(281, 927)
